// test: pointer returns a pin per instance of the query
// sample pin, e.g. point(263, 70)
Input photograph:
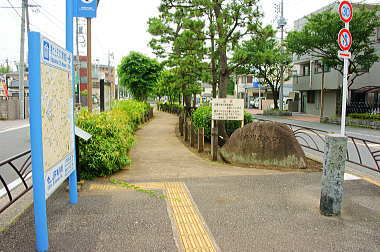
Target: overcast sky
point(119, 27)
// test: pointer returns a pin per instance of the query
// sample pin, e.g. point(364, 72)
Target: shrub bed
point(112, 138)
point(277, 112)
point(202, 119)
point(370, 117)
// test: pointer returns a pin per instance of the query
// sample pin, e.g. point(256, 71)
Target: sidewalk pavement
point(13, 124)
point(207, 207)
point(296, 116)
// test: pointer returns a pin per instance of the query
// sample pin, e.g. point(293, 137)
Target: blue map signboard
point(85, 8)
point(51, 124)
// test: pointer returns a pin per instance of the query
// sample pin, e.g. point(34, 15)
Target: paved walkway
point(205, 207)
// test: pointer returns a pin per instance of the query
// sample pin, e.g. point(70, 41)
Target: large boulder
point(264, 143)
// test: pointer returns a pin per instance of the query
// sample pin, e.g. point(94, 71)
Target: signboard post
point(224, 110)
point(345, 42)
point(51, 126)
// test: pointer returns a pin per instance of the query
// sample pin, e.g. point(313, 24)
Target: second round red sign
point(345, 39)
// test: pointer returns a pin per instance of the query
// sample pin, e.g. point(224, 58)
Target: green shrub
point(112, 138)
point(202, 119)
point(366, 116)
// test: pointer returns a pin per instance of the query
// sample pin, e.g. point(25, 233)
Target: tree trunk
point(194, 100)
point(275, 96)
point(187, 101)
point(224, 74)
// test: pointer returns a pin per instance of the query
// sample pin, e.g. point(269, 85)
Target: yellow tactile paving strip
point(192, 232)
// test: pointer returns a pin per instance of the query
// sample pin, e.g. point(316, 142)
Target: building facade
point(308, 81)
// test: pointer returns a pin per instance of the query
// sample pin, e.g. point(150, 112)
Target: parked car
point(257, 101)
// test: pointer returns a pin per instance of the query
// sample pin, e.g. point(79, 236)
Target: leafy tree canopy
point(265, 59)
point(139, 74)
point(318, 38)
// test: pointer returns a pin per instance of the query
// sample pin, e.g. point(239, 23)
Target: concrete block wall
point(10, 108)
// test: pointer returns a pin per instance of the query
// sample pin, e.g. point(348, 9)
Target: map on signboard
point(56, 105)
point(228, 109)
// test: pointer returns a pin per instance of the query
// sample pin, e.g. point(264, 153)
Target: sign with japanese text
point(228, 109)
point(52, 120)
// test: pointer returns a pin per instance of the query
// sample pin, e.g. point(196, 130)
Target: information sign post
point(224, 110)
point(345, 42)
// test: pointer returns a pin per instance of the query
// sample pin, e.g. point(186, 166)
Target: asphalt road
point(359, 148)
point(13, 142)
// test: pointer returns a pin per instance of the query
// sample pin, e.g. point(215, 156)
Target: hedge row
point(112, 138)
point(202, 119)
point(370, 117)
point(175, 108)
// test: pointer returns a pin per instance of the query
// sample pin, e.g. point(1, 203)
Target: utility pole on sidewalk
point(281, 24)
point(111, 55)
point(21, 64)
point(78, 61)
point(89, 67)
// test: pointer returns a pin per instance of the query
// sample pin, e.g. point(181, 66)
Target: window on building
point(310, 97)
point(378, 33)
point(305, 70)
point(318, 67)
point(249, 79)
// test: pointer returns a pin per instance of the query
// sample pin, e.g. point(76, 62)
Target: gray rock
point(264, 143)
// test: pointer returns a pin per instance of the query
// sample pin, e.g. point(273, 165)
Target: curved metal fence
point(19, 168)
point(360, 151)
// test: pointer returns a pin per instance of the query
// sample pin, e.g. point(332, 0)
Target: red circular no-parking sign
point(345, 11)
point(345, 39)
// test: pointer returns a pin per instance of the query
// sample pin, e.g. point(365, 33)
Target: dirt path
point(158, 154)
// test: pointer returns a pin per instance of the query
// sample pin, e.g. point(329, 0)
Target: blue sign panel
point(256, 84)
point(51, 124)
point(85, 8)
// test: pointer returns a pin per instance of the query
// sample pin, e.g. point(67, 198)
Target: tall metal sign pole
point(345, 42)
point(281, 24)
point(334, 160)
point(87, 9)
point(70, 47)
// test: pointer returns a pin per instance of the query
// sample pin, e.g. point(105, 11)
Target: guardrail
point(360, 151)
point(13, 190)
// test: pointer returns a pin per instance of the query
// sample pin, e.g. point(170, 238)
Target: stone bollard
point(214, 144)
point(201, 140)
point(333, 175)
point(186, 129)
point(180, 125)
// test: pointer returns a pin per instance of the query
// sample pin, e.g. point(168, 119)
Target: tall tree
point(265, 59)
point(167, 85)
point(179, 39)
point(318, 38)
point(139, 74)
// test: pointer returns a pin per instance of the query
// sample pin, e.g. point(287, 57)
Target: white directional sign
point(344, 54)
point(345, 11)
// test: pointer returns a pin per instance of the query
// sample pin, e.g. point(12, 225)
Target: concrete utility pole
point(89, 67)
point(111, 56)
point(21, 64)
point(78, 61)
point(281, 24)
